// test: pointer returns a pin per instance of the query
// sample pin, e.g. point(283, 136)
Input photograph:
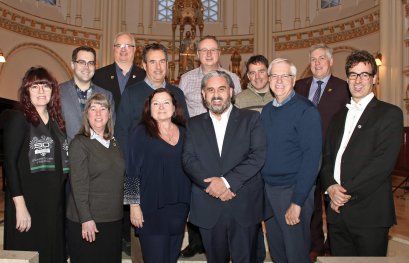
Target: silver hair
point(293, 68)
point(124, 34)
point(328, 50)
point(217, 73)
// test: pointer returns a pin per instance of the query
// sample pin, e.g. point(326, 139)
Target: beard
point(218, 109)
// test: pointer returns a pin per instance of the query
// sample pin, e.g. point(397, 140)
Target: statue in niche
point(187, 52)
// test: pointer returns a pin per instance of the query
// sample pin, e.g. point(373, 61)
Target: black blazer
point(366, 164)
point(106, 78)
point(336, 95)
point(243, 155)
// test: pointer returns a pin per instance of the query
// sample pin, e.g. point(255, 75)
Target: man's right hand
point(227, 195)
point(338, 196)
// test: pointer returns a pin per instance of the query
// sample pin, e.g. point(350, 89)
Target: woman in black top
point(156, 186)
point(36, 163)
point(94, 208)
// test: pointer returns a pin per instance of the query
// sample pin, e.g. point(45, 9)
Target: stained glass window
point(50, 2)
point(330, 3)
point(210, 10)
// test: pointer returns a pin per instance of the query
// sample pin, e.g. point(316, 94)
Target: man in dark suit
point(123, 72)
point(115, 78)
point(330, 96)
point(75, 92)
point(223, 154)
point(361, 148)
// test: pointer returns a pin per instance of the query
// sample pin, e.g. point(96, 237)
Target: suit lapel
point(74, 99)
point(231, 129)
point(113, 79)
point(340, 128)
point(208, 130)
point(327, 92)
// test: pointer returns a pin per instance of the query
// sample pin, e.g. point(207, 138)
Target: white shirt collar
point(361, 105)
point(95, 136)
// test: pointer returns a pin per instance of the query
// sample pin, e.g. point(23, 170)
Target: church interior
point(44, 32)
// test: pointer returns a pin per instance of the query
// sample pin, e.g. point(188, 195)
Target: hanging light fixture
point(2, 58)
point(378, 59)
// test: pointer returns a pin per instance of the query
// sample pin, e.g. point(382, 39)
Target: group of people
point(138, 151)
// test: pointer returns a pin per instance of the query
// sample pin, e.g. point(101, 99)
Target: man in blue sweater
point(294, 145)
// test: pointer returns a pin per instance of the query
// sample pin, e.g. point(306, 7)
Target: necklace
point(168, 133)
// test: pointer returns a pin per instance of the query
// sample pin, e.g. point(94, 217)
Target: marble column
point(263, 40)
point(307, 13)
point(123, 15)
point(234, 29)
point(251, 26)
point(277, 13)
point(68, 15)
point(224, 17)
point(111, 25)
point(97, 15)
point(140, 28)
point(78, 13)
point(297, 20)
point(391, 47)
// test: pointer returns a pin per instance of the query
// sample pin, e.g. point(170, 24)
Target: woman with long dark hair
point(156, 186)
point(36, 163)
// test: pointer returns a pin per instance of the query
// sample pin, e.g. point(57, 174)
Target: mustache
point(217, 98)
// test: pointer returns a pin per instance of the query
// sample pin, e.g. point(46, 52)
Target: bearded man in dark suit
point(362, 144)
point(224, 151)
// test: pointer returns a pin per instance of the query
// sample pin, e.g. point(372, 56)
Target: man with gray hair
point(294, 144)
point(330, 94)
point(223, 153)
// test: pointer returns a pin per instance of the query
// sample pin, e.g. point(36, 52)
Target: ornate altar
point(186, 12)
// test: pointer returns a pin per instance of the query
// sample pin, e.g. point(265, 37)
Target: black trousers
point(228, 240)
point(105, 249)
point(160, 248)
point(195, 239)
point(358, 241)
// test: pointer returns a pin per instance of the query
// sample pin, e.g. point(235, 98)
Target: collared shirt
point(220, 130)
point(95, 136)
point(314, 86)
point(190, 84)
point(276, 104)
point(122, 79)
point(354, 114)
point(153, 86)
point(83, 96)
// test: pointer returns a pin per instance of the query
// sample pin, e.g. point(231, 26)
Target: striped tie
point(317, 94)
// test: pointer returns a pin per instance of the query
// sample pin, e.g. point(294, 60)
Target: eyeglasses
point(363, 75)
point(283, 77)
point(84, 63)
point(36, 88)
point(126, 46)
point(212, 51)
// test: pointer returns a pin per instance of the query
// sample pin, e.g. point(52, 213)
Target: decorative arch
point(45, 49)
